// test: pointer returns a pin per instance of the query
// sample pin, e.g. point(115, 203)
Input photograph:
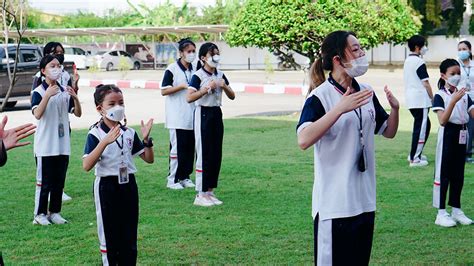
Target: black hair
point(101, 91)
point(44, 61)
point(50, 48)
point(184, 43)
point(203, 50)
point(468, 44)
point(443, 67)
point(334, 44)
point(416, 40)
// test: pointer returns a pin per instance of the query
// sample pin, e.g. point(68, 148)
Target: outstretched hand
point(12, 137)
point(146, 128)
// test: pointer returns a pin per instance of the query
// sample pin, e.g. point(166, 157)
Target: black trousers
point(421, 131)
point(182, 155)
point(470, 128)
point(50, 178)
point(209, 133)
point(452, 168)
point(117, 219)
point(345, 241)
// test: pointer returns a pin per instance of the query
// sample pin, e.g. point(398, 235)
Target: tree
point(12, 16)
point(300, 26)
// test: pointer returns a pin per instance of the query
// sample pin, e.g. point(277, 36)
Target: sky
point(100, 6)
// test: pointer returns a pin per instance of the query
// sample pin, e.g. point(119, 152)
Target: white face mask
point(423, 50)
point(190, 57)
point(359, 67)
point(454, 80)
point(116, 113)
point(213, 61)
point(53, 73)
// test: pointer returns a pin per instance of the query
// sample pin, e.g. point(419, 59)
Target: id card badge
point(463, 136)
point(61, 130)
point(123, 174)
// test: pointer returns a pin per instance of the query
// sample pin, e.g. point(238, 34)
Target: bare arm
point(92, 158)
point(427, 86)
point(50, 91)
point(77, 103)
point(228, 90)
point(172, 90)
point(393, 118)
point(194, 95)
point(444, 115)
point(149, 155)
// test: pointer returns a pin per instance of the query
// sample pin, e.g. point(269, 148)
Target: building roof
point(145, 30)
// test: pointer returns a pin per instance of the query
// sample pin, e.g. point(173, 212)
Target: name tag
point(61, 130)
point(123, 174)
point(463, 136)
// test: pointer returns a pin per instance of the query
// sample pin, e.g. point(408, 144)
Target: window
point(79, 51)
point(122, 53)
point(68, 50)
point(30, 56)
point(114, 53)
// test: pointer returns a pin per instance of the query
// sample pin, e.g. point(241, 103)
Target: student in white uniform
point(179, 116)
point(453, 107)
point(206, 89)
point(467, 81)
point(340, 118)
point(418, 97)
point(51, 104)
point(56, 49)
point(111, 147)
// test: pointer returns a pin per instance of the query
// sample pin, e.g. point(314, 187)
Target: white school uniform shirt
point(467, 77)
point(47, 141)
point(202, 78)
point(111, 159)
point(179, 113)
point(460, 114)
point(414, 73)
point(340, 189)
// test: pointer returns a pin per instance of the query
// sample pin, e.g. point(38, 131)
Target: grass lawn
point(266, 184)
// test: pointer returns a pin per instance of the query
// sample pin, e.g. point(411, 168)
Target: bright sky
point(100, 6)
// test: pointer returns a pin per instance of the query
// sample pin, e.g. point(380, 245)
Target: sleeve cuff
point(192, 88)
point(428, 78)
point(437, 109)
point(303, 126)
point(382, 128)
point(139, 152)
point(166, 87)
point(470, 108)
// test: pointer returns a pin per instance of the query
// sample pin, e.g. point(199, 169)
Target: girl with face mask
point(467, 80)
point(111, 147)
point(56, 49)
point(340, 118)
point(453, 107)
point(51, 103)
point(205, 90)
point(179, 116)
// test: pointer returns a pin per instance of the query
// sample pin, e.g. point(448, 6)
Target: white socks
point(442, 212)
point(455, 211)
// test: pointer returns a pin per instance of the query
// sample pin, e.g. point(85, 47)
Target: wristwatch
point(148, 143)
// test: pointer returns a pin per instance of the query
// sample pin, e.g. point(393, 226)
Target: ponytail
point(316, 75)
point(199, 65)
point(441, 83)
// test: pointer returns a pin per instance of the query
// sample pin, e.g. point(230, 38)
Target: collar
point(339, 87)
point(209, 73)
point(448, 91)
point(106, 129)
point(417, 55)
point(45, 85)
point(183, 67)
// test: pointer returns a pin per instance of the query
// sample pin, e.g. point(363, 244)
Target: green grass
point(266, 184)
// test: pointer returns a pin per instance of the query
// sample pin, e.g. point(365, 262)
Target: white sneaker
point(187, 183)
point(418, 163)
point(215, 200)
point(175, 186)
point(445, 220)
point(203, 201)
point(56, 218)
point(66, 197)
point(461, 218)
point(41, 219)
point(423, 157)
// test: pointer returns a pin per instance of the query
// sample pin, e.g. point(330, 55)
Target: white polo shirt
point(467, 77)
point(109, 163)
point(460, 114)
point(179, 113)
point(202, 78)
point(414, 73)
point(47, 141)
point(340, 189)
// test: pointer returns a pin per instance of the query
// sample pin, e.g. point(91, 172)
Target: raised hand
point(146, 128)
point(351, 101)
point(394, 104)
point(11, 137)
point(52, 90)
point(72, 92)
point(459, 94)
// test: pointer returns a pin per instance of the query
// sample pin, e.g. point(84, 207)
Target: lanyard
point(359, 116)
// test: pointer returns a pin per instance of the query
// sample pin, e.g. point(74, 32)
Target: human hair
point(468, 44)
point(43, 63)
point(334, 44)
point(101, 91)
point(416, 40)
point(50, 48)
point(203, 50)
point(184, 43)
point(443, 68)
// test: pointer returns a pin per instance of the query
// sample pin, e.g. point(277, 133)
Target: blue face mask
point(463, 55)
